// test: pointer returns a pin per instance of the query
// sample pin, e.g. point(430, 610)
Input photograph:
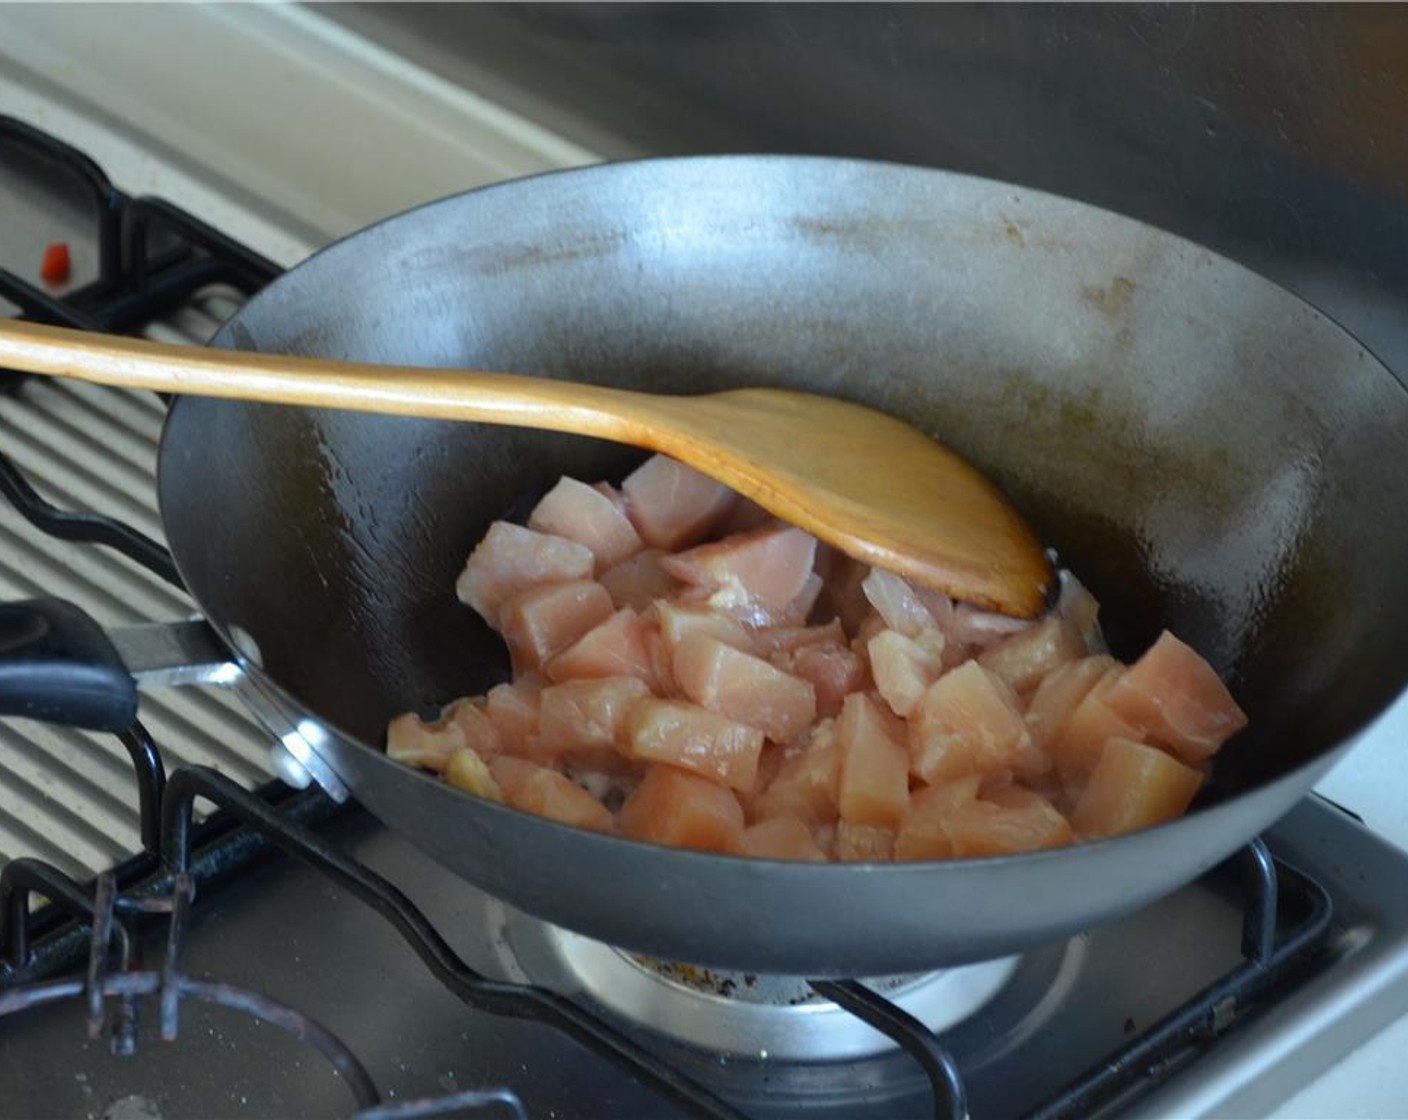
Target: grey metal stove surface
point(286, 932)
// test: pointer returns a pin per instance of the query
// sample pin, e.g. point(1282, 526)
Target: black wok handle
point(58, 665)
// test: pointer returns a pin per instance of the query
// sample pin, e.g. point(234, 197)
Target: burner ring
point(769, 1018)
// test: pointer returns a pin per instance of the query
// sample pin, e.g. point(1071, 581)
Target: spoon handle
point(499, 398)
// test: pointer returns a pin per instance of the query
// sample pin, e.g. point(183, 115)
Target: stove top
point(1223, 998)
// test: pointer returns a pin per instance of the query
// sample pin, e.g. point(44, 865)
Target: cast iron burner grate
point(151, 259)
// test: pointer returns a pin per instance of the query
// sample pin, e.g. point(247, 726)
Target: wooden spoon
point(863, 481)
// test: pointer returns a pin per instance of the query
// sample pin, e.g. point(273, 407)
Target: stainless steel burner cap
point(747, 1014)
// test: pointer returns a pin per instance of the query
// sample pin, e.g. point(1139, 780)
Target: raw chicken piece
point(694, 739)
point(1178, 699)
point(543, 621)
point(780, 838)
point(639, 581)
point(620, 646)
point(679, 809)
point(1025, 658)
point(1022, 821)
point(511, 559)
point(509, 773)
point(513, 710)
point(411, 740)
point(744, 688)
point(833, 670)
point(864, 843)
point(967, 722)
point(1079, 741)
point(479, 731)
point(797, 612)
point(979, 628)
point(673, 506)
point(578, 512)
point(897, 602)
point(677, 622)
point(754, 576)
point(923, 832)
point(588, 713)
point(805, 785)
point(873, 785)
point(902, 668)
point(785, 639)
point(1134, 786)
point(549, 794)
point(1078, 607)
point(1057, 696)
point(467, 771)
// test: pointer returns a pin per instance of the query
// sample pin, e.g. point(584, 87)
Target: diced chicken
point(1134, 786)
point(979, 628)
point(797, 612)
point(694, 739)
point(864, 843)
point(785, 639)
point(513, 710)
point(806, 784)
point(1079, 741)
point(923, 831)
point(688, 694)
point(549, 794)
point(409, 739)
point(1025, 658)
point(902, 668)
point(466, 770)
point(678, 622)
point(578, 512)
point(780, 838)
point(1022, 821)
point(873, 784)
point(580, 714)
point(673, 506)
point(543, 621)
point(1057, 696)
point(639, 581)
point(967, 722)
point(753, 576)
point(509, 773)
point(742, 687)
point(897, 603)
point(1178, 699)
point(673, 807)
point(833, 670)
point(479, 731)
point(510, 559)
point(618, 647)
point(1078, 607)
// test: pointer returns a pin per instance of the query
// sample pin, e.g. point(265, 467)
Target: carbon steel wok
point(1208, 452)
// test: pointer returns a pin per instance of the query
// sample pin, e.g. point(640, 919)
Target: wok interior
point(1205, 451)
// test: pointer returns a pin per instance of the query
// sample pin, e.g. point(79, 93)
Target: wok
point(1205, 450)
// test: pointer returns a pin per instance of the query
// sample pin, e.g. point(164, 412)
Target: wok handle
point(58, 665)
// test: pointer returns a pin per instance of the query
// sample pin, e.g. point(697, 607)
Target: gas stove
point(307, 961)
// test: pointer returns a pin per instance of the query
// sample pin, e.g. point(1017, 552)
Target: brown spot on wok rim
point(1112, 300)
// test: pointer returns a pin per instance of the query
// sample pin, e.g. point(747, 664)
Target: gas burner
point(777, 1019)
